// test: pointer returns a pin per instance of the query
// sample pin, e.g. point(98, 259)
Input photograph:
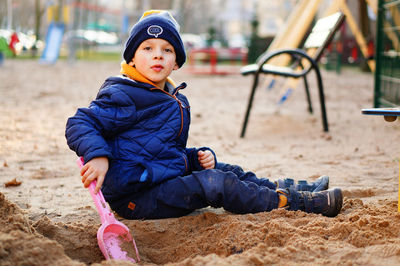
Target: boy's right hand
point(95, 169)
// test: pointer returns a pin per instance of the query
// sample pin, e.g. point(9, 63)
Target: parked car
point(93, 37)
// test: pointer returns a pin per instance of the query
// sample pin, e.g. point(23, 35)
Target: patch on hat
point(154, 30)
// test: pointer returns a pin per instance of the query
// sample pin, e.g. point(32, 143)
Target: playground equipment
point(211, 56)
point(351, 21)
point(295, 28)
point(57, 17)
point(83, 27)
point(301, 18)
point(335, 6)
point(53, 43)
point(301, 63)
point(342, 6)
point(387, 74)
point(292, 35)
point(390, 115)
point(4, 49)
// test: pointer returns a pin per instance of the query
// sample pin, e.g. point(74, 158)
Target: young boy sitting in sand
point(133, 140)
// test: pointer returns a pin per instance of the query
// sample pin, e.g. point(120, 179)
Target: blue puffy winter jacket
point(143, 131)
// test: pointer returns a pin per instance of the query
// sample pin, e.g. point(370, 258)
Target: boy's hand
point(206, 159)
point(94, 169)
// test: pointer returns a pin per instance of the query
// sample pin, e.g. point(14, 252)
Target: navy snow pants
point(226, 186)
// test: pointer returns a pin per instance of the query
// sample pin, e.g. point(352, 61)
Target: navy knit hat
point(155, 24)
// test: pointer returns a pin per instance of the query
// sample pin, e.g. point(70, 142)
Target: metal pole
point(379, 54)
point(9, 14)
point(250, 104)
point(71, 31)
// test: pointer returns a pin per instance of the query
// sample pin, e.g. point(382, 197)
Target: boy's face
point(155, 59)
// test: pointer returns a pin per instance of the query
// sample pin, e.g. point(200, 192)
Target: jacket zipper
point(186, 163)
point(182, 86)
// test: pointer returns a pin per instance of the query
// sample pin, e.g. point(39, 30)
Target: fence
point(387, 74)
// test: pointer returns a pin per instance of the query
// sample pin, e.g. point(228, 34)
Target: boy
point(133, 140)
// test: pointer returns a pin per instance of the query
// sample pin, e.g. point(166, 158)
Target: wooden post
point(358, 35)
point(362, 43)
point(296, 27)
point(373, 4)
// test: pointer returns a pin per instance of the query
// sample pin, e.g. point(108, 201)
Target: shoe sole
point(335, 198)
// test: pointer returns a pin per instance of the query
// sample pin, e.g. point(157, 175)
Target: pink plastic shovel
point(113, 237)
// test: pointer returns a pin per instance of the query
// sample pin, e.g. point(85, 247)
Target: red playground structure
point(216, 61)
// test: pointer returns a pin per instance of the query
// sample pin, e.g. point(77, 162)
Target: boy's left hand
point(206, 159)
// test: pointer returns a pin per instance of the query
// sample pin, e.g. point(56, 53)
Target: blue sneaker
point(327, 202)
point(322, 183)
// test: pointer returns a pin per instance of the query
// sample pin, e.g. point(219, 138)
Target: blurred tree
point(211, 37)
point(254, 40)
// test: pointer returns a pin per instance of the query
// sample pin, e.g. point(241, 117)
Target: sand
point(48, 218)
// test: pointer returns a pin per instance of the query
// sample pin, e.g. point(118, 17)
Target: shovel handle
point(98, 198)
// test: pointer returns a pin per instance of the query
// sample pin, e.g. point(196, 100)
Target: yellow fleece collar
point(132, 73)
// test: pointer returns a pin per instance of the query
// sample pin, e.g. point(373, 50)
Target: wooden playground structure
point(302, 17)
point(291, 35)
